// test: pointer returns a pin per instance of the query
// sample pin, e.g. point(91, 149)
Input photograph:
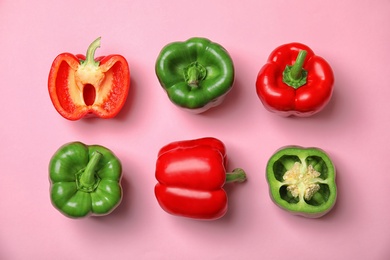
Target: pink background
point(353, 36)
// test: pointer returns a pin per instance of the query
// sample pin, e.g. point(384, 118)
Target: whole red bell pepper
point(295, 81)
point(191, 175)
point(82, 86)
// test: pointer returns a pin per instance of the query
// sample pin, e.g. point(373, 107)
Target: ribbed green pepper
point(85, 180)
point(302, 181)
point(196, 74)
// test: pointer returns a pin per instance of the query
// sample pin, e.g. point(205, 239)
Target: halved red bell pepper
point(191, 175)
point(82, 86)
point(295, 81)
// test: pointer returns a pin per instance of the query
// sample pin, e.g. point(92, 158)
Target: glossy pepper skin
point(85, 180)
point(295, 81)
point(196, 74)
point(302, 181)
point(191, 175)
point(82, 86)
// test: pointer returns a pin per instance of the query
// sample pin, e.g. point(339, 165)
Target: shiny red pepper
point(82, 86)
point(191, 175)
point(295, 81)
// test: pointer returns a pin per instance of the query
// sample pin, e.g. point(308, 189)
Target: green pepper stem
point(237, 175)
point(294, 75)
point(296, 69)
point(87, 178)
point(90, 57)
point(194, 73)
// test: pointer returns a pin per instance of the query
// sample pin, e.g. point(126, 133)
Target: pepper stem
point(90, 56)
point(237, 175)
point(87, 178)
point(194, 73)
point(294, 75)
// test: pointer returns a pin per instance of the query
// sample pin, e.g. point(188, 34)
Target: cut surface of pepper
point(196, 74)
point(302, 181)
point(85, 180)
point(295, 81)
point(191, 175)
point(85, 86)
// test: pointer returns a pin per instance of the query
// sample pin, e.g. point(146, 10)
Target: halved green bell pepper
point(302, 181)
point(196, 74)
point(85, 180)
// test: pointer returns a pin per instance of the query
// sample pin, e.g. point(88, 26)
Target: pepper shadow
point(127, 109)
point(330, 109)
point(122, 211)
point(233, 202)
point(230, 103)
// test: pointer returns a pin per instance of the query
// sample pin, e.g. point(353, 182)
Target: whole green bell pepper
point(302, 181)
point(196, 74)
point(85, 180)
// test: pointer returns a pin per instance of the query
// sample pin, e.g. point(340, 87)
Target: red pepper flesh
point(295, 81)
point(84, 86)
point(191, 175)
